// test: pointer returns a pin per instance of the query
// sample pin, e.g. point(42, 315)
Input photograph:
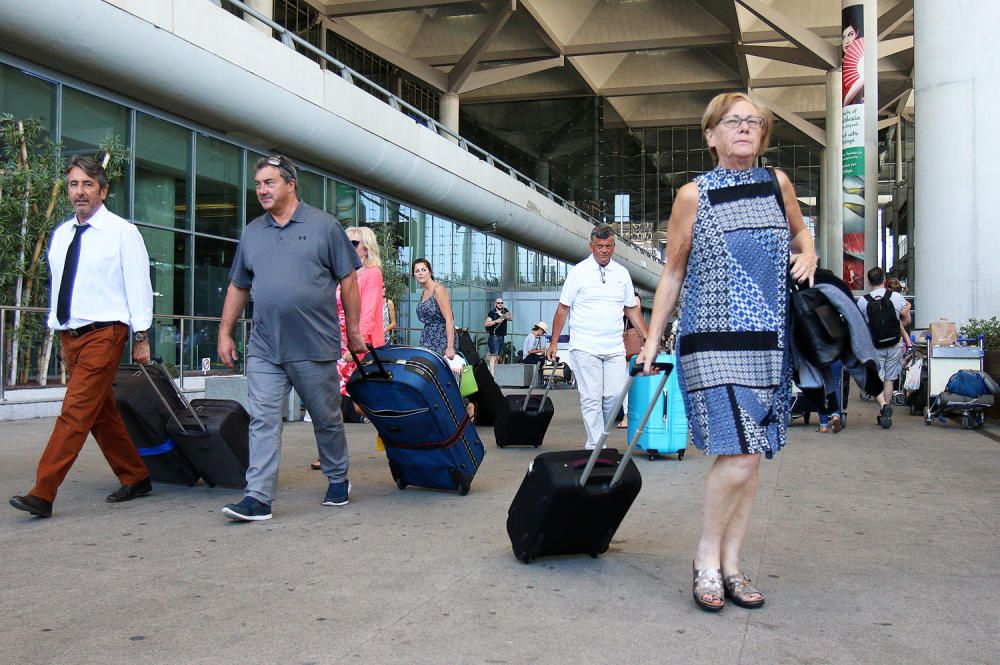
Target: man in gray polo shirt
point(290, 260)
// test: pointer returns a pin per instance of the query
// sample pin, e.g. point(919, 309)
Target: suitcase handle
point(381, 369)
point(548, 387)
point(177, 394)
point(627, 455)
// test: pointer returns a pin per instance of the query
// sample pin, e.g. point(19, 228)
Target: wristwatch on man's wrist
point(141, 336)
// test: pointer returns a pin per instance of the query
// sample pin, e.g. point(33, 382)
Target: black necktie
point(69, 275)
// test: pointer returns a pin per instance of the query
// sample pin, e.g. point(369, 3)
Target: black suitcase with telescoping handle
point(215, 435)
point(572, 502)
point(147, 400)
point(526, 418)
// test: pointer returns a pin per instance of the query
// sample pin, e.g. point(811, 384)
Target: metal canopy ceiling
point(656, 62)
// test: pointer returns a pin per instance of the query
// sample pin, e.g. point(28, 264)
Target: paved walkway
point(872, 546)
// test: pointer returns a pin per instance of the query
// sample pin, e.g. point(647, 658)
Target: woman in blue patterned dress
point(434, 311)
point(733, 239)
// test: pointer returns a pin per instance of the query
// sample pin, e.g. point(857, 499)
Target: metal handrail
point(285, 36)
point(4, 309)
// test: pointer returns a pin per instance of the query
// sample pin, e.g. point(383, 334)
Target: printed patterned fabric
point(434, 336)
point(734, 367)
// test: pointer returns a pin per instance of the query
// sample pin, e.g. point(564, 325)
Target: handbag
point(466, 379)
point(818, 329)
point(633, 345)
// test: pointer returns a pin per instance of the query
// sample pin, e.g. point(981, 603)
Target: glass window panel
point(342, 201)
point(310, 188)
point(162, 152)
point(371, 208)
point(217, 191)
point(442, 252)
point(253, 209)
point(25, 96)
point(170, 274)
point(87, 121)
point(477, 258)
point(212, 259)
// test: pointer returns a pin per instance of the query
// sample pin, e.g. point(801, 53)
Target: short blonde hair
point(721, 105)
point(368, 239)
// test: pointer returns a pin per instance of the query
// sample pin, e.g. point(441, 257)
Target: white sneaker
point(307, 418)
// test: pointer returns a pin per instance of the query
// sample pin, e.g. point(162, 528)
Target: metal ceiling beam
point(662, 44)
point(725, 12)
point(794, 32)
point(892, 97)
point(338, 10)
point(545, 31)
point(797, 122)
point(893, 46)
point(470, 60)
point(891, 20)
point(487, 77)
point(794, 56)
point(665, 88)
point(432, 77)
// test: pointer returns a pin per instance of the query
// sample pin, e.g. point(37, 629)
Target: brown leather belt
point(91, 327)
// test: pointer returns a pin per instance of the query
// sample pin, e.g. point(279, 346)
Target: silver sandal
point(739, 589)
point(708, 582)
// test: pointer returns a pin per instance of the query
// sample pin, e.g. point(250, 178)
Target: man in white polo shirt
point(594, 294)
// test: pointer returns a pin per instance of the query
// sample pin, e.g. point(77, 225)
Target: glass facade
point(183, 190)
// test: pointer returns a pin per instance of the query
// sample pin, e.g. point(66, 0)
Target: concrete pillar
point(830, 233)
point(873, 229)
point(448, 112)
point(265, 7)
point(957, 94)
point(542, 173)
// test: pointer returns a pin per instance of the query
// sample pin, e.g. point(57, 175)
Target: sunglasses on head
point(355, 242)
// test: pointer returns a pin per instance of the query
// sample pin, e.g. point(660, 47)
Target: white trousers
point(600, 379)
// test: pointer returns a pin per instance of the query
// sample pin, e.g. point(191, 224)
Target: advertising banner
point(853, 44)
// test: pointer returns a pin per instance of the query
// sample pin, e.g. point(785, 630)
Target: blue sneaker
point(337, 494)
point(247, 510)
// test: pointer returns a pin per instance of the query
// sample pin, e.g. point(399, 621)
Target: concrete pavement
point(872, 546)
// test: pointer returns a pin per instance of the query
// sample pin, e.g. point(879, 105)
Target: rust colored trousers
point(89, 406)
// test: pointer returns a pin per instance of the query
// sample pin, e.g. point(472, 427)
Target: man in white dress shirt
point(596, 290)
point(100, 288)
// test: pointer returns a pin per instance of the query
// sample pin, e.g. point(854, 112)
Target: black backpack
point(882, 321)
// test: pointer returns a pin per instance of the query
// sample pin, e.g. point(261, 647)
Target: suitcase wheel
point(652, 453)
point(463, 489)
point(400, 483)
point(680, 454)
point(524, 558)
point(538, 444)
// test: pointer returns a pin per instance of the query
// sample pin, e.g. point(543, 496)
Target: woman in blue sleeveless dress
point(729, 238)
point(434, 311)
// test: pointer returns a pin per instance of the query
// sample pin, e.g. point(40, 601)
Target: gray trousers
point(318, 383)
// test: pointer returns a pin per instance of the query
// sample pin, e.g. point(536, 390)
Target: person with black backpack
point(884, 310)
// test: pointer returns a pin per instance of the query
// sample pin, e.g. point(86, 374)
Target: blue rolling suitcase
point(666, 432)
point(412, 397)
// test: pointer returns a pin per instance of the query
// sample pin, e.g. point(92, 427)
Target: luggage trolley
point(942, 363)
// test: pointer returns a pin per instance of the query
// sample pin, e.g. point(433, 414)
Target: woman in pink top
point(370, 288)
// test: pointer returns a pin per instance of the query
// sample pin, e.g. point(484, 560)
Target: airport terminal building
point(490, 136)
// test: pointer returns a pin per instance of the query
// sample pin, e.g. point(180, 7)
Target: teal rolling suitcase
point(666, 432)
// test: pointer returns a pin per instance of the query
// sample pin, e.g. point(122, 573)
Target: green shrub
point(988, 328)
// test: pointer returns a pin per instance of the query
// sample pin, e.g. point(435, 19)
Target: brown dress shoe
point(129, 492)
point(32, 504)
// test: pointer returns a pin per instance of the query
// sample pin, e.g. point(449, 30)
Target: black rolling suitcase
point(466, 346)
point(489, 399)
point(215, 435)
point(147, 399)
point(571, 502)
point(526, 418)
